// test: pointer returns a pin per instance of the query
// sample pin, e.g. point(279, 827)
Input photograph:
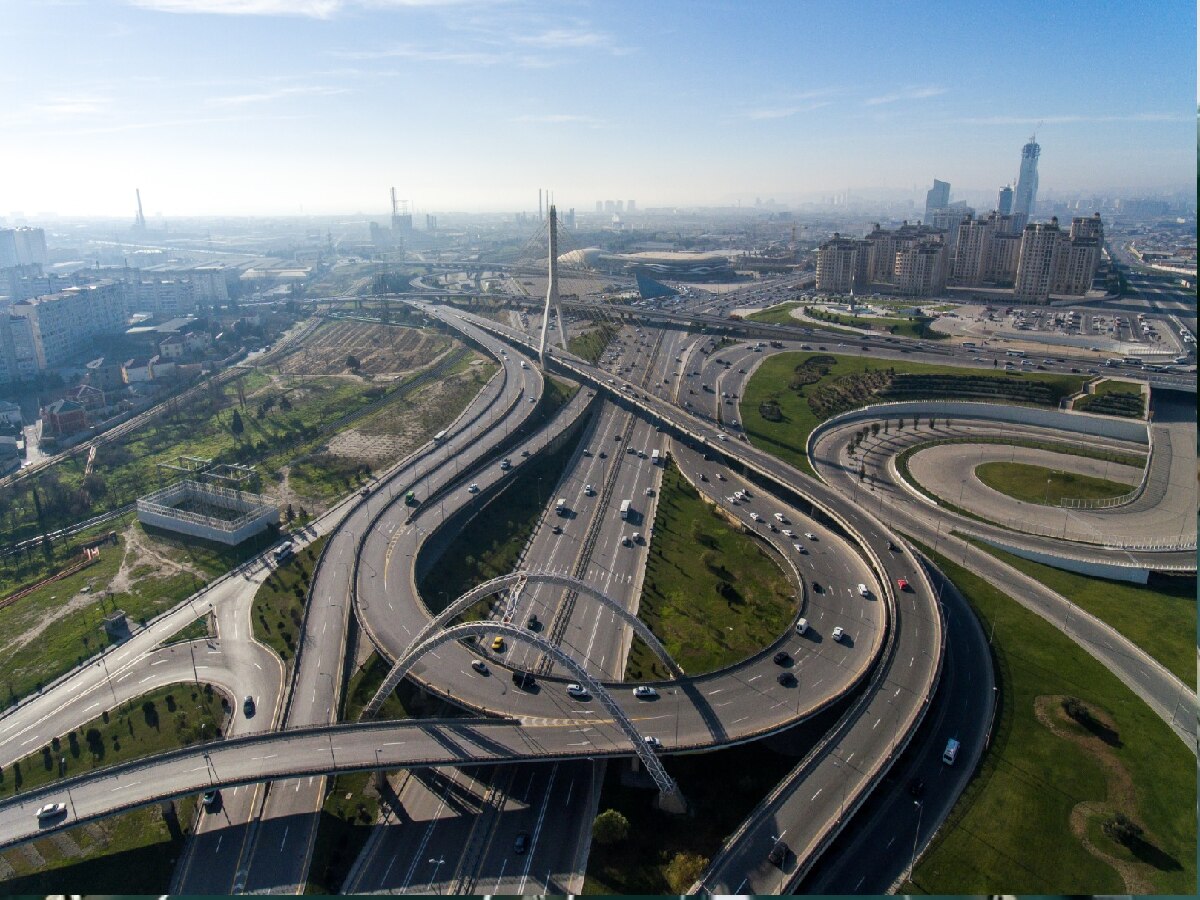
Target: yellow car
point(498, 644)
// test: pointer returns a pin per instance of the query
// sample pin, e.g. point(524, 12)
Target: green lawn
point(362, 687)
point(776, 315)
point(1159, 617)
point(350, 810)
point(711, 595)
point(849, 382)
point(278, 611)
point(1114, 398)
point(1112, 386)
point(1044, 486)
point(195, 631)
point(590, 345)
point(164, 719)
point(905, 326)
point(1010, 832)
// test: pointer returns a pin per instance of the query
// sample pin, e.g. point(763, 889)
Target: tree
point(352, 362)
point(236, 425)
point(684, 870)
point(1123, 830)
point(610, 827)
point(874, 429)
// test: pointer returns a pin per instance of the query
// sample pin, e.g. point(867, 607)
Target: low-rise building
point(63, 417)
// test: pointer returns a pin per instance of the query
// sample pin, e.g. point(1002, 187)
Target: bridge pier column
point(674, 803)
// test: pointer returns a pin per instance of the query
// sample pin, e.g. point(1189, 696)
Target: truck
point(561, 506)
point(625, 509)
point(655, 457)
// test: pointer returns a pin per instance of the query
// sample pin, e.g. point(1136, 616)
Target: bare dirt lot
point(385, 351)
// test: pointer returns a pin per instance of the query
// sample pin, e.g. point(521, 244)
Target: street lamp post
point(437, 864)
point(916, 834)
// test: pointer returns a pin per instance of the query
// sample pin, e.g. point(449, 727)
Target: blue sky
point(283, 106)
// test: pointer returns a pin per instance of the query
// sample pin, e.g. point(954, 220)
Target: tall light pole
point(916, 834)
point(437, 864)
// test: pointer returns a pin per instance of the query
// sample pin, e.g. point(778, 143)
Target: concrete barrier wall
point(1111, 571)
point(1062, 420)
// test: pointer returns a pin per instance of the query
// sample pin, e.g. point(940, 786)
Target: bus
point(1016, 352)
point(1132, 361)
point(654, 457)
point(970, 345)
point(624, 509)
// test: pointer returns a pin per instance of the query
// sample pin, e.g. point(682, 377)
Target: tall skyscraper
point(1027, 181)
point(1004, 205)
point(937, 197)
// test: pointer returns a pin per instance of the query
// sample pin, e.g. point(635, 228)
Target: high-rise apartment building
point(1041, 244)
point(921, 268)
point(1025, 198)
point(22, 247)
point(970, 250)
point(837, 262)
point(46, 332)
point(631, 206)
point(1004, 203)
point(937, 197)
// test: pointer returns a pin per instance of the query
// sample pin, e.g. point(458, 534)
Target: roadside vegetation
point(1159, 617)
point(790, 394)
point(1114, 398)
point(1044, 486)
point(780, 314)
point(904, 326)
point(711, 594)
point(347, 817)
point(278, 612)
point(591, 344)
point(1056, 770)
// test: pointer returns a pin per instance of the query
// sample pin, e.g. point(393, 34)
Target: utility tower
point(552, 291)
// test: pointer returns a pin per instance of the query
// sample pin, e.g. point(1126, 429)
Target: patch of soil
point(1121, 796)
point(379, 349)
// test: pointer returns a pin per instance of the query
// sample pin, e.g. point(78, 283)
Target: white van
point(951, 752)
point(802, 626)
point(862, 591)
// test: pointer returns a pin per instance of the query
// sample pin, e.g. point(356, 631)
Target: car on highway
point(649, 492)
point(755, 516)
point(588, 490)
point(801, 549)
point(626, 540)
point(51, 811)
point(498, 644)
point(532, 623)
point(838, 633)
point(903, 584)
point(782, 658)
point(787, 532)
point(248, 706)
point(521, 844)
point(652, 742)
point(645, 692)
point(578, 691)
point(473, 488)
point(779, 517)
point(557, 529)
point(505, 464)
point(810, 535)
point(479, 666)
point(801, 625)
point(211, 799)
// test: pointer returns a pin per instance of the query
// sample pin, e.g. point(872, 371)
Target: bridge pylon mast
point(552, 291)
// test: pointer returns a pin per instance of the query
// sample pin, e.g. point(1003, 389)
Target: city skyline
point(264, 107)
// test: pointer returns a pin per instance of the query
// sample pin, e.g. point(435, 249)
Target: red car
point(902, 583)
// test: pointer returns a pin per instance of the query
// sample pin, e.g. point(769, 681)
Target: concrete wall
point(1110, 571)
point(257, 525)
point(1062, 420)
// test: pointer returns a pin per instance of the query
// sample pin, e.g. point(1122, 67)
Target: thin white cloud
point(424, 54)
point(575, 38)
point(1072, 119)
point(120, 128)
point(313, 9)
point(273, 95)
point(73, 105)
point(913, 93)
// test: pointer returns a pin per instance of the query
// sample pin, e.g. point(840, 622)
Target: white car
point(755, 516)
point(645, 692)
point(577, 691)
point(810, 535)
point(51, 810)
point(801, 549)
point(652, 742)
point(588, 490)
point(479, 666)
point(787, 532)
point(838, 633)
point(721, 437)
point(779, 517)
point(473, 488)
point(720, 477)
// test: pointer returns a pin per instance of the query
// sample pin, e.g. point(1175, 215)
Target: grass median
point(710, 594)
point(1019, 827)
point(278, 611)
point(1045, 486)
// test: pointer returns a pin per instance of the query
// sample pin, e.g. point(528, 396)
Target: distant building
point(837, 265)
point(631, 206)
point(171, 347)
point(1025, 198)
point(937, 197)
point(22, 247)
point(10, 414)
point(1004, 203)
point(46, 332)
point(139, 369)
point(921, 268)
point(1040, 247)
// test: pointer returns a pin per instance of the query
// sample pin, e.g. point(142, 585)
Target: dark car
point(521, 844)
point(533, 624)
point(779, 854)
point(787, 679)
point(782, 658)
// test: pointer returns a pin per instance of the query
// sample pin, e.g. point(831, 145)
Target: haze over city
point(272, 107)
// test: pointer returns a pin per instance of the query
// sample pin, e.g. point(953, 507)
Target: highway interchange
point(264, 837)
